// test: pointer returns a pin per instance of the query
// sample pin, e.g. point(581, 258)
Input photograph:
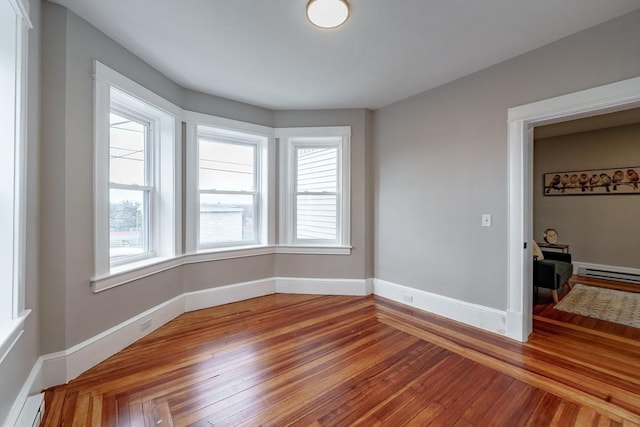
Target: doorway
point(522, 119)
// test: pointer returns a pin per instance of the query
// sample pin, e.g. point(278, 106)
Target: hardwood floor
point(334, 360)
point(545, 312)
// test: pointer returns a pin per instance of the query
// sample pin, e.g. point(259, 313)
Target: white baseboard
point(515, 326)
point(65, 365)
point(31, 386)
point(230, 293)
point(299, 285)
point(61, 367)
point(479, 316)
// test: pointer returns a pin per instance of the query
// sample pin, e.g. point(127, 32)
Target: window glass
point(127, 223)
point(225, 166)
point(127, 140)
point(226, 218)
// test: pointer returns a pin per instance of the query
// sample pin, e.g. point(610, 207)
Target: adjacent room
point(320, 212)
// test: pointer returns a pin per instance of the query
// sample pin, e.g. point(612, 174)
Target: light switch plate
point(486, 220)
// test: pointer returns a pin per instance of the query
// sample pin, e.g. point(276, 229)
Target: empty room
point(320, 212)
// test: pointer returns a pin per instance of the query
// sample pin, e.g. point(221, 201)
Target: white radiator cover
point(607, 272)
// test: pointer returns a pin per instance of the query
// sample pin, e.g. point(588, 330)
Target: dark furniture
point(553, 272)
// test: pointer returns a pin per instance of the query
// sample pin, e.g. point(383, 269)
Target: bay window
point(136, 177)
point(229, 198)
point(314, 183)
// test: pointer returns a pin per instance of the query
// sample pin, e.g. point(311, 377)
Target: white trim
point(521, 120)
point(133, 272)
point(301, 285)
point(229, 124)
point(104, 74)
point(110, 87)
point(306, 132)
point(31, 385)
point(313, 250)
point(21, 8)
point(227, 253)
point(10, 332)
point(487, 318)
point(213, 297)
point(65, 365)
point(149, 267)
point(289, 139)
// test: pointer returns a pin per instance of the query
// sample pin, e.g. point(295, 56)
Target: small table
point(562, 248)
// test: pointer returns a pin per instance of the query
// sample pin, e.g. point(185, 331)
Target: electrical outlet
point(145, 324)
point(407, 298)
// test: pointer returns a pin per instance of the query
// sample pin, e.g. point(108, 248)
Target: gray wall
point(352, 266)
point(441, 162)
point(600, 229)
point(15, 368)
point(71, 311)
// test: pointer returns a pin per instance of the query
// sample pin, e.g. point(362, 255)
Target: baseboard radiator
point(609, 274)
point(32, 411)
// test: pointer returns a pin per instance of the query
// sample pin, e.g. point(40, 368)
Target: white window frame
point(289, 139)
point(165, 156)
point(13, 173)
point(121, 106)
point(236, 132)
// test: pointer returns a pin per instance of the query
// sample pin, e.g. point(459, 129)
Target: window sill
point(313, 250)
point(138, 270)
point(227, 253)
point(10, 332)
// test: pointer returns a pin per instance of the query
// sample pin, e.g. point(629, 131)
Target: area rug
point(604, 304)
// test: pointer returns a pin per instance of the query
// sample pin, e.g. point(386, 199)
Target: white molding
point(136, 271)
point(110, 77)
point(521, 119)
point(10, 332)
point(487, 318)
point(303, 285)
point(31, 385)
point(213, 297)
point(224, 123)
point(315, 131)
point(61, 367)
point(65, 365)
point(313, 250)
point(227, 253)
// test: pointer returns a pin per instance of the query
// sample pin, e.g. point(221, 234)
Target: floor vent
point(619, 276)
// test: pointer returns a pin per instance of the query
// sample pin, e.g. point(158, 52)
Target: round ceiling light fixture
point(327, 13)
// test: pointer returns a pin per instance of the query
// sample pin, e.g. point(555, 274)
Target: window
point(315, 186)
point(14, 23)
point(131, 186)
point(229, 204)
point(136, 166)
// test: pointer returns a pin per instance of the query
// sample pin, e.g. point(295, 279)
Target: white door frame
point(522, 119)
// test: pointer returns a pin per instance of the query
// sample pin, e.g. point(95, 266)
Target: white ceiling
point(265, 52)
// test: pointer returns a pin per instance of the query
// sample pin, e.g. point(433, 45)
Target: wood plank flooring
point(545, 311)
point(341, 361)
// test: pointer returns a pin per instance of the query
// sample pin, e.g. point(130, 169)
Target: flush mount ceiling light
point(327, 13)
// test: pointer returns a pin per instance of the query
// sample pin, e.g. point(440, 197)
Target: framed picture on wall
point(624, 180)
